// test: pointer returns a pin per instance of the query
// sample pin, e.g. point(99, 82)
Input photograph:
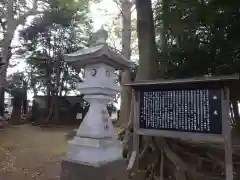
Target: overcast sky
point(103, 12)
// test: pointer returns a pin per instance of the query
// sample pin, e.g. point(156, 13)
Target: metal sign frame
point(224, 137)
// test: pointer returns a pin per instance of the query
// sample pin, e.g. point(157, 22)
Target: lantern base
point(94, 151)
point(72, 170)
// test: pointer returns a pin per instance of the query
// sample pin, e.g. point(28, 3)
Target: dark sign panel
point(184, 110)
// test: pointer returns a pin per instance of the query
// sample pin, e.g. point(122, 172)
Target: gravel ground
point(29, 153)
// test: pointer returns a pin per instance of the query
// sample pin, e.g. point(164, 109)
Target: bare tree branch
point(120, 4)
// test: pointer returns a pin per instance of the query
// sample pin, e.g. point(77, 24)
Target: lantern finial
point(101, 36)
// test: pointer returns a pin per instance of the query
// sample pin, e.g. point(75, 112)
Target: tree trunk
point(25, 101)
point(148, 64)
point(16, 112)
point(62, 82)
point(3, 76)
point(148, 54)
point(6, 55)
point(163, 43)
point(165, 158)
point(57, 89)
point(9, 13)
point(2, 97)
point(126, 92)
point(49, 84)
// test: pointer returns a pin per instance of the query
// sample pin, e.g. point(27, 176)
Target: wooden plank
point(137, 109)
point(132, 161)
point(181, 135)
point(136, 137)
point(227, 134)
point(162, 166)
point(226, 79)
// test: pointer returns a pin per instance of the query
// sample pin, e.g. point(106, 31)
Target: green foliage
point(58, 31)
point(111, 108)
point(17, 84)
point(58, 15)
point(74, 5)
point(201, 37)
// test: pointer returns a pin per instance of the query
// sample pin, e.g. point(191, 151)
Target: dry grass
point(28, 153)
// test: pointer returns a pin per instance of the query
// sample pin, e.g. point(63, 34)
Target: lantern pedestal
point(95, 141)
point(72, 170)
point(94, 153)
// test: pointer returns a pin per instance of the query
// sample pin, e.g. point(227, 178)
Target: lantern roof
point(99, 52)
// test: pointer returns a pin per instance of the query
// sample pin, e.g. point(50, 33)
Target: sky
point(103, 12)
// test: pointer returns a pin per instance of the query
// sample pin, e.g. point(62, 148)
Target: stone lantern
point(95, 152)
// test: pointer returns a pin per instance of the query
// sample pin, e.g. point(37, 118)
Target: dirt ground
point(31, 153)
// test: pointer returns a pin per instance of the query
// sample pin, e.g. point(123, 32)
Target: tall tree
point(17, 86)
point(126, 93)
point(13, 13)
point(200, 39)
point(60, 30)
point(148, 54)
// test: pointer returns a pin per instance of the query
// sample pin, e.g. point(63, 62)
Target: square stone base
point(110, 171)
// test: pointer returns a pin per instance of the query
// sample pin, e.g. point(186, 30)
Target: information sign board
point(192, 109)
point(186, 110)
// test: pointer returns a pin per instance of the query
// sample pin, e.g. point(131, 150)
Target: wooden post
point(136, 137)
point(133, 162)
point(161, 166)
point(227, 134)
